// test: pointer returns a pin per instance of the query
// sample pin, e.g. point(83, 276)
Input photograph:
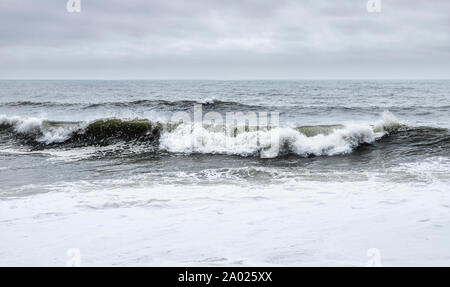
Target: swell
point(305, 141)
point(163, 104)
point(155, 104)
point(212, 103)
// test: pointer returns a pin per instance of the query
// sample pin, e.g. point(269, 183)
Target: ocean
point(97, 173)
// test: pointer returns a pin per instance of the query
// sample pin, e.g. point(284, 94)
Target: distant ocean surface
point(362, 174)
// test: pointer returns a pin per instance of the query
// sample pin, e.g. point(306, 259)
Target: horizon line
point(200, 79)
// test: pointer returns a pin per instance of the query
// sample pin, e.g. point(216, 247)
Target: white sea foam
point(196, 138)
point(22, 125)
point(294, 223)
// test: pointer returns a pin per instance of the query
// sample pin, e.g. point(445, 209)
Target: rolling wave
point(305, 141)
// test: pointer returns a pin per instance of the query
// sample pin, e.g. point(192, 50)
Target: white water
point(24, 125)
point(189, 138)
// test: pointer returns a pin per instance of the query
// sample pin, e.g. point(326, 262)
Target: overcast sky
point(224, 39)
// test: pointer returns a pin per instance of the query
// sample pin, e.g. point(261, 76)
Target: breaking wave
point(305, 141)
point(41, 133)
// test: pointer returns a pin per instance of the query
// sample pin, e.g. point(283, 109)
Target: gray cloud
point(246, 39)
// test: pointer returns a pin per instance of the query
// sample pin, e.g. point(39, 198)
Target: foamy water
point(294, 222)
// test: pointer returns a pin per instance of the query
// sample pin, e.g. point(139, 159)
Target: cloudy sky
point(224, 39)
